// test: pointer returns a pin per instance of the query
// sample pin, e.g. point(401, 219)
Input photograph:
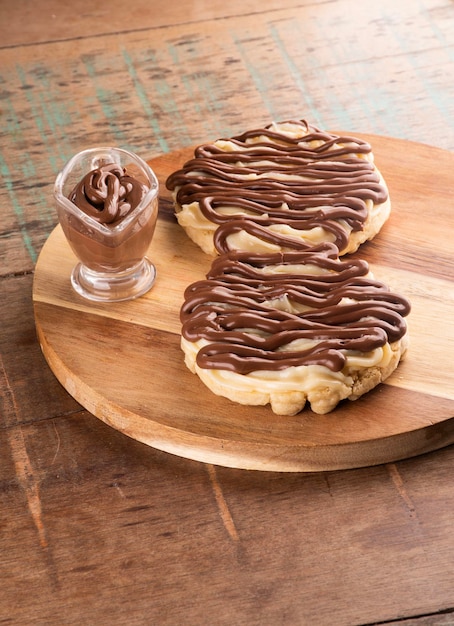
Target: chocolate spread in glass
point(109, 194)
point(331, 186)
point(348, 310)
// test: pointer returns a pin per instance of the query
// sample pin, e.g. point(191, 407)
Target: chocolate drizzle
point(270, 178)
point(301, 306)
point(343, 309)
point(108, 194)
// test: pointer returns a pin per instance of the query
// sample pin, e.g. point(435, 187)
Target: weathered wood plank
point(28, 390)
point(58, 21)
point(106, 526)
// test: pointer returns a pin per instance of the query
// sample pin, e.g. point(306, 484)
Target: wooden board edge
point(243, 455)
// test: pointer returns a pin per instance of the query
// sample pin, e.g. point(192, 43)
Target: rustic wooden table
point(97, 528)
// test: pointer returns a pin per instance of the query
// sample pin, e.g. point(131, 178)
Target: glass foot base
point(108, 287)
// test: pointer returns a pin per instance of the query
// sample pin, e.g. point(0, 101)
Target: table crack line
point(224, 511)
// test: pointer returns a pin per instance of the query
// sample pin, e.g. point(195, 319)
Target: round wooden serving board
point(123, 362)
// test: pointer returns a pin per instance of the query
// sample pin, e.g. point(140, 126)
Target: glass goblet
point(113, 265)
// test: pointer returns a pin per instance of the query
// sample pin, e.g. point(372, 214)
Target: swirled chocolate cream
point(293, 327)
point(280, 188)
point(105, 234)
point(108, 194)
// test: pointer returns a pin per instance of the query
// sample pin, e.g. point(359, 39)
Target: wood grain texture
point(124, 364)
point(28, 390)
point(136, 536)
point(56, 22)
